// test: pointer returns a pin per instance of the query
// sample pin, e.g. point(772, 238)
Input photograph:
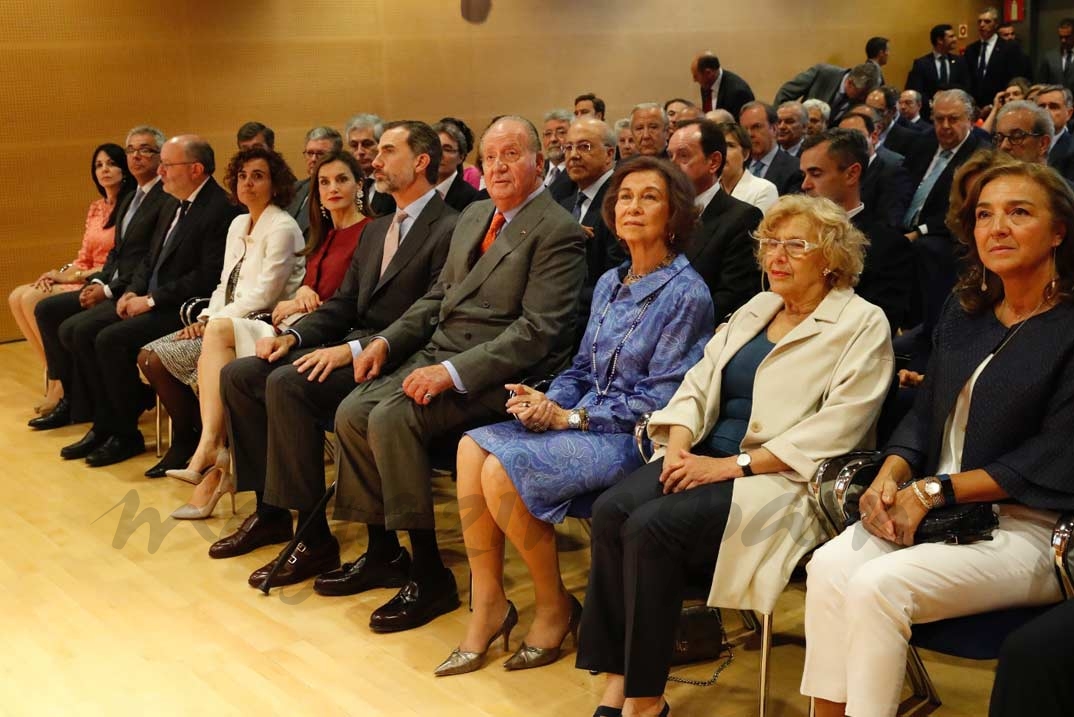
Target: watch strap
point(948, 489)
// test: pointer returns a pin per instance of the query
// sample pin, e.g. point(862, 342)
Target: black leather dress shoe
point(416, 604)
point(84, 446)
point(173, 459)
point(365, 574)
point(56, 418)
point(254, 532)
point(303, 563)
point(116, 450)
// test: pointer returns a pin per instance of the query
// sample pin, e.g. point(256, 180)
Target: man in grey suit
point(1057, 68)
point(278, 403)
point(837, 86)
point(502, 310)
point(769, 161)
point(319, 142)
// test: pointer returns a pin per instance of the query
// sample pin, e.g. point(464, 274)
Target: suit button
point(485, 304)
point(467, 335)
point(432, 321)
point(756, 427)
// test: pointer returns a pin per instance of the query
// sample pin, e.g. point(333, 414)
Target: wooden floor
point(96, 619)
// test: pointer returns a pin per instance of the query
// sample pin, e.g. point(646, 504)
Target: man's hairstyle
point(956, 95)
point(328, 133)
point(366, 121)
point(874, 46)
point(915, 94)
point(560, 115)
point(200, 151)
point(1005, 24)
point(769, 110)
point(1068, 96)
point(682, 100)
point(1067, 22)
point(249, 130)
point(891, 97)
point(158, 135)
point(598, 103)
point(452, 130)
point(1042, 118)
point(937, 33)
point(422, 139)
point(867, 114)
point(280, 175)
point(740, 135)
point(990, 11)
point(621, 125)
point(533, 139)
point(467, 133)
point(798, 107)
point(865, 77)
point(608, 136)
point(712, 139)
point(845, 146)
point(643, 106)
point(824, 107)
point(708, 61)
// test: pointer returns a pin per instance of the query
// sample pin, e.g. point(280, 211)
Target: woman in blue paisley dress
point(650, 319)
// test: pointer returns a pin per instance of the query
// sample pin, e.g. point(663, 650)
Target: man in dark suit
point(502, 309)
point(991, 60)
point(184, 262)
point(877, 51)
point(60, 316)
point(1025, 131)
point(590, 152)
point(885, 186)
point(1057, 67)
point(456, 192)
point(910, 112)
point(553, 135)
point(720, 88)
point(769, 161)
point(938, 70)
point(362, 134)
point(319, 142)
point(1059, 102)
point(833, 163)
point(255, 134)
point(792, 120)
point(278, 402)
point(649, 126)
point(837, 86)
point(883, 100)
point(721, 249)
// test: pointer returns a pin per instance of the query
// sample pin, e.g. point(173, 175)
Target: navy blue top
point(736, 401)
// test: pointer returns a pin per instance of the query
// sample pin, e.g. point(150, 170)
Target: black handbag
point(700, 638)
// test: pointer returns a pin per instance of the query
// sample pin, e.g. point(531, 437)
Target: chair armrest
point(641, 436)
point(1064, 561)
point(265, 316)
point(188, 312)
point(840, 481)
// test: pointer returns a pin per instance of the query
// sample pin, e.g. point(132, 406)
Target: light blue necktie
point(757, 168)
point(139, 195)
point(925, 187)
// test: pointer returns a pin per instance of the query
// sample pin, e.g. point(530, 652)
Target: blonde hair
point(842, 245)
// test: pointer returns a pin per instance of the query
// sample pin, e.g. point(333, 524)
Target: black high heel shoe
point(459, 662)
point(527, 657)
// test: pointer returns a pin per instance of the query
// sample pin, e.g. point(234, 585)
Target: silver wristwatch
point(744, 462)
point(574, 419)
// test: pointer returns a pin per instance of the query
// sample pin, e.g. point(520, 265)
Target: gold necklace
point(631, 276)
point(1020, 323)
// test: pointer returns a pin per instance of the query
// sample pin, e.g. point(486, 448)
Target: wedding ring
point(525, 404)
point(428, 397)
point(864, 517)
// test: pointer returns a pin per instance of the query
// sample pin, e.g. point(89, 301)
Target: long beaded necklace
point(609, 375)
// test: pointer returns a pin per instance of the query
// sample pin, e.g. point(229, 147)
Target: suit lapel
point(415, 238)
point(183, 227)
point(755, 317)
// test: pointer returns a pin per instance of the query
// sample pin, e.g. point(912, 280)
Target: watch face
point(933, 487)
point(743, 459)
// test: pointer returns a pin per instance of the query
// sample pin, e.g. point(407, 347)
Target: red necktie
point(498, 220)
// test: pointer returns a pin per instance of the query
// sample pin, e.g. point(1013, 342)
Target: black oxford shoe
point(56, 418)
point(116, 450)
point(416, 604)
point(84, 446)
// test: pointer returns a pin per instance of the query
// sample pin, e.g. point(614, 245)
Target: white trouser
point(863, 593)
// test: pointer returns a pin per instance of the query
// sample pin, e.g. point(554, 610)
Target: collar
point(592, 190)
point(916, 118)
point(1058, 136)
point(148, 186)
point(652, 282)
point(856, 211)
point(444, 186)
point(702, 200)
point(194, 194)
point(512, 213)
point(793, 150)
point(884, 135)
point(413, 211)
point(954, 150)
point(767, 159)
point(990, 43)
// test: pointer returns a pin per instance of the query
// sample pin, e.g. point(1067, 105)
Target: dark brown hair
point(1060, 204)
point(281, 176)
point(682, 215)
point(319, 223)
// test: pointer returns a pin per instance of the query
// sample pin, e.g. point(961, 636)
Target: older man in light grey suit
point(837, 86)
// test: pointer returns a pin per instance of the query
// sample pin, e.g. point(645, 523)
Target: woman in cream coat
point(796, 376)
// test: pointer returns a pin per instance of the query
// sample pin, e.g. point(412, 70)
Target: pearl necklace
point(631, 276)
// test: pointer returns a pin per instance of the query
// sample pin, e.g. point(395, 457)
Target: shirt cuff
point(356, 348)
point(107, 288)
point(923, 228)
point(455, 378)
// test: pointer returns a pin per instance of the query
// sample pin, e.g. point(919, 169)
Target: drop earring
point(984, 280)
point(324, 212)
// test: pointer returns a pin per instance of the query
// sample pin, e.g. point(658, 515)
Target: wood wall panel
point(77, 73)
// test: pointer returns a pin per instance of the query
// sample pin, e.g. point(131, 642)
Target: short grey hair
point(452, 130)
point(956, 95)
point(1042, 119)
point(532, 137)
point(916, 95)
point(608, 136)
point(798, 107)
point(621, 125)
point(559, 115)
point(865, 76)
point(822, 106)
point(329, 133)
point(363, 121)
point(158, 136)
point(644, 106)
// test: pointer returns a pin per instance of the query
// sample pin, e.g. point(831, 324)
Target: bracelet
point(924, 499)
point(584, 415)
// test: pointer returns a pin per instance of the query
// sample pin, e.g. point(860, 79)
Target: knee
point(494, 479)
point(30, 297)
point(352, 419)
point(219, 333)
point(876, 588)
point(388, 418)
point(609, 514)
point(14, 299)
point(282, 383)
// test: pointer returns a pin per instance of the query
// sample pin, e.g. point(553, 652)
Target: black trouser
point(1035, 675)
point(645, 544)
point(49, 313)
point(78, 358)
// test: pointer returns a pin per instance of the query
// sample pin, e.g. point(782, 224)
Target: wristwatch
point(574, 419)
point(149, 301)
point(948, 489)
point(744, 462)
point(934, 491)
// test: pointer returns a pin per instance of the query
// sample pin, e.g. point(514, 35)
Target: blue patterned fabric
point(548, 469)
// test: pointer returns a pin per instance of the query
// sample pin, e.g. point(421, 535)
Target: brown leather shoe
point(303, 563)
point(254, 532)
point(416, 604)
point(365, 574)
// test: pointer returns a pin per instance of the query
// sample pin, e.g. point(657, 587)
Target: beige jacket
point(815, 396)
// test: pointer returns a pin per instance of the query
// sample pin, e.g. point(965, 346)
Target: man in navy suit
point(910, 116)
point(1060, 105)
point(940, 69)
point(992, 61)
point(769, 161)
point(720, 88)
point(1057, 67)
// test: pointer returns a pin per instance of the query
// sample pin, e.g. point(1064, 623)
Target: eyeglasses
point(448, 149)
point(795, 248)
point(1016, 138)
point(583, 147)
point(168, 165)
point(549, 133)
point(141, 151)
point(314, 154)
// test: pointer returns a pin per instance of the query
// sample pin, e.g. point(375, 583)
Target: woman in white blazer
point(735, 180)
point(796, 376)
point(261, 267)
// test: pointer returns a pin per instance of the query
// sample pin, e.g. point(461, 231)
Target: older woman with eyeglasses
point(992, 424)
point(797, 375)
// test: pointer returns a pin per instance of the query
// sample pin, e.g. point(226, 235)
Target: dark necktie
point(576, 212)
point(706, 99)
point(183, 207)
point(1066, 61)
point(981, 64)
point(943, 71)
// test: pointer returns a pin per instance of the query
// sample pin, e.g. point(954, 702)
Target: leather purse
point(700, 638)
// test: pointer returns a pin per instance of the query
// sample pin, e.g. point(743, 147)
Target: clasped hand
point(690, 470)
point(890, 513)
point(193, 331)
point(534, 409)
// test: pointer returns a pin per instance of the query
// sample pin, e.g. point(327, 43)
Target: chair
point(837, 486)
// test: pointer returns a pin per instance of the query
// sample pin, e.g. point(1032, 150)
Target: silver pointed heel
point(459, 662)
point(187, 475)
point(190, 511)
point(527, 657)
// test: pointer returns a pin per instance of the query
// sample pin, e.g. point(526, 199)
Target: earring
point(827, 272)
point(984, 280)
point(324, 212)
point(1053, 285)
